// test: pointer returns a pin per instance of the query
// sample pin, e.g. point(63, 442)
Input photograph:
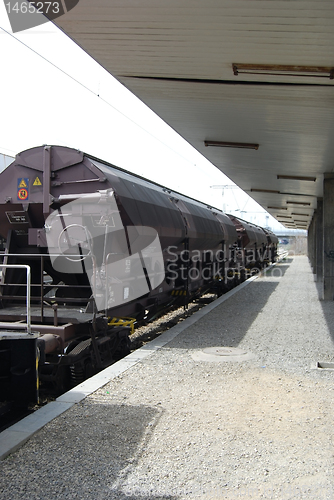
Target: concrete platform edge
point(15, 436)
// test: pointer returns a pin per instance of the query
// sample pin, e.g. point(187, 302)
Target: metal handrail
point(41, 285)
point(27, 268)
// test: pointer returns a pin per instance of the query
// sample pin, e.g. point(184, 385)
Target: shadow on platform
point(327, 308)
point(228, 323)
point(105, 442)
point(328, 311)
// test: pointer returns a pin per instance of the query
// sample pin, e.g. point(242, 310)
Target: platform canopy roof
point(249, 83)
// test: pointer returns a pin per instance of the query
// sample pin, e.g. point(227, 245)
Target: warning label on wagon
point(22, 189)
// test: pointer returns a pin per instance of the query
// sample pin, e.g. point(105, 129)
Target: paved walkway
point(179, 424)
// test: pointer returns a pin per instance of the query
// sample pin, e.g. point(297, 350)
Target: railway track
point(145, 333)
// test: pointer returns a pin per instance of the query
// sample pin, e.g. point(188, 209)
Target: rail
point(27, 268)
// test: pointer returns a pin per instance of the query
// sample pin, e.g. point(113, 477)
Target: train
point(90, 249)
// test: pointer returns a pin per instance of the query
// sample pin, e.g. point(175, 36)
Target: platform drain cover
point(221, 354)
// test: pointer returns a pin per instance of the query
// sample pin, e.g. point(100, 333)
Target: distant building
point(286, 232)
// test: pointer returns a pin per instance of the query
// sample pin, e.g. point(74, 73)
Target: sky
point(52, 92)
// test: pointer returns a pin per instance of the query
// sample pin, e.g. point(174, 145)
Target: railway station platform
point(234, 402)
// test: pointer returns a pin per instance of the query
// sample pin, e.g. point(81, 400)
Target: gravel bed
point(150, 331)
point(171, 428)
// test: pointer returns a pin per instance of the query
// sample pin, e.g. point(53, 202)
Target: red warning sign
point(22, 194)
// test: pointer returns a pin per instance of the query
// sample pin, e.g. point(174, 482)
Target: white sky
point(52, 92)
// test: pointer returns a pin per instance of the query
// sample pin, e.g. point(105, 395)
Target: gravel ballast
point(174, 428)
